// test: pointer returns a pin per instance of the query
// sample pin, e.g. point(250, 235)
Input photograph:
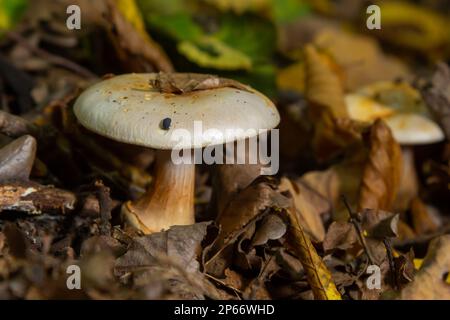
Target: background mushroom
point(146, 109)
point(404, 111)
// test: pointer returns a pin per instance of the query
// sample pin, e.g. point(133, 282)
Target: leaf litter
point(348, 195)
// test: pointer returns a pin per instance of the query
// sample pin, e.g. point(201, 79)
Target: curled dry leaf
point(17, 158)
point(272, 228)
point(177, 83)
point(255, 199)
point(309, 206)
point(429, 282)
point(333, 128)
point(382, 171)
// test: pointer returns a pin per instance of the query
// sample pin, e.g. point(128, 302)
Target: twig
point(50, 57)
point(390, 256)
point(355, 222)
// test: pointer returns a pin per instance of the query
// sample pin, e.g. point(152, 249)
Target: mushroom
point(137, 109)
point(403, 110)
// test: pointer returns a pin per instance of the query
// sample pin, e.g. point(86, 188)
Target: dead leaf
point(429, 282)
point(17, 158)
point(422, 219)
point(309, 205)
point(262, 194)
point(340, 235)
point(319, 277)
point(334, 130)
point(382, 172)
point(272, 228)
point(181, 83)
point(437, 97)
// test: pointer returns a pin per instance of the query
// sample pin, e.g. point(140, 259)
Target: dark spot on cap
point(165, 123)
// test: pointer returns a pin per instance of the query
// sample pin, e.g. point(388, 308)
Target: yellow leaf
point(222, 56)
point(131, 12)
point(412, 26)
point(317, 273)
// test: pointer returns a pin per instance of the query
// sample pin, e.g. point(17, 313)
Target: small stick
point(52, 58)
point(390, 256)
point(355, 222)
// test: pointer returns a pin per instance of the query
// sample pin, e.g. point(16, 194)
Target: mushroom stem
point(169, 201)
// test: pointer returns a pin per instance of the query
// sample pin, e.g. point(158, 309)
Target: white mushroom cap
point(414, 129)
point(126, 108)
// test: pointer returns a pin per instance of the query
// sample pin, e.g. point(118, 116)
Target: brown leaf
point(262, 194)
point(309, 205)
point(180, 243)
point(334, 130)
point(181, 83)
point(228, 180)
point(318, 275)
point(422, 219)
point(272, 228)
point(437, 97)
point(429, 282)
point(17, 158)
point(14, 126)
point(409, 182)
point(340, 235)
point(381, 176)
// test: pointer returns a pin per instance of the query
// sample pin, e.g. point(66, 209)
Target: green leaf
point(10, 12)
point(285, 11)
point(209, 52)
point(179, 26)
point(250, 34)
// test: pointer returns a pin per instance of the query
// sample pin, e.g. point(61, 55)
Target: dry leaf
point(177, 83)
point(17, 158)
point(333, 128)
point(429, 282)
point(422, 219)
point(309, 205)
point(382, 172)
point(318, 275)
point(255, 199)
point(437, 97)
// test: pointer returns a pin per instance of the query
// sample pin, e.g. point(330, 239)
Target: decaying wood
point(33, 198)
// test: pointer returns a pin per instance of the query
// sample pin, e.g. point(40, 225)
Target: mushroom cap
point(414, 129)
point(127, 108)
point(362, 108)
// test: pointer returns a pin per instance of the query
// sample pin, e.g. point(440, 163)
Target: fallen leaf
point(309, 205)
point(272, 228)
point(333, 128)
point(318, 275)
point(423, 221)
point(437, 97)
point(177, 83)
point(382, 172)
point(17, 158)
point(429, 282)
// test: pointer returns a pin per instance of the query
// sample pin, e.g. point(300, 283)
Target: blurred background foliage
point(260, 42)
